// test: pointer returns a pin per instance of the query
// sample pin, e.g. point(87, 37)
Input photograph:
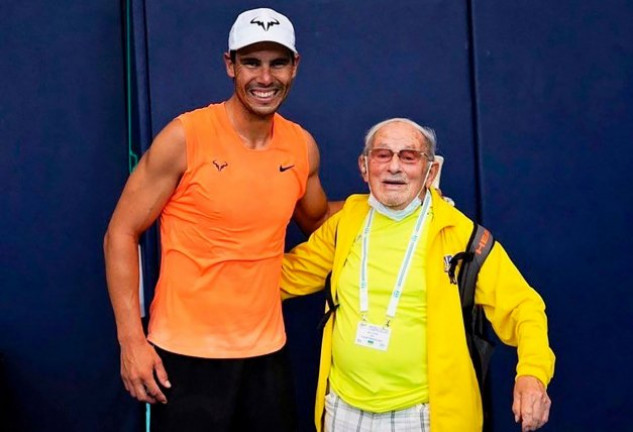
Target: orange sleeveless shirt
point(222, 240)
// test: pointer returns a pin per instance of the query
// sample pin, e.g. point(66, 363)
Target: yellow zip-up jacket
point(516, 311)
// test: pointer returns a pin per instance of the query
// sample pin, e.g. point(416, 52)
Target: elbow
point(107, 243)
point(309, 228)
point(306, 224)
point(115, 240)
point(334, 207)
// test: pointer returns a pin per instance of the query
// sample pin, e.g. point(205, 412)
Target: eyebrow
point(386, 146)
point(249, 58)
point(281, 58)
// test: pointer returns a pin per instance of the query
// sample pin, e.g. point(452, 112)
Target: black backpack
point(475, 322)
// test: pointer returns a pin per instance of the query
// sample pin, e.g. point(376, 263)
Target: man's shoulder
point(201, 111)
point(356, 200)
point(278, 119)
point(447, 210)
point(354, 208)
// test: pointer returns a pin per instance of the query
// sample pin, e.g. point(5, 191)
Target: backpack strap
point(331, 306)
point(479, 346)
point(479, 246)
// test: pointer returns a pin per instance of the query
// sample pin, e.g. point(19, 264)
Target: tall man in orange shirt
point(225, 181)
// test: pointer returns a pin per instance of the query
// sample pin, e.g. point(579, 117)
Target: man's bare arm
point(313, 208)
point(145, 193)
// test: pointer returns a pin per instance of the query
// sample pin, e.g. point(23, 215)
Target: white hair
point(427, 133)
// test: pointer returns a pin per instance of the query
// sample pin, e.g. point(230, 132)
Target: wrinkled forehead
point(399, 135)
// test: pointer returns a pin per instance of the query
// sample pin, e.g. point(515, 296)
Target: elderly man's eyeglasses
point(407, 156)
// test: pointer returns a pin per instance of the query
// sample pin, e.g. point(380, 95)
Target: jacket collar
point(443, 214)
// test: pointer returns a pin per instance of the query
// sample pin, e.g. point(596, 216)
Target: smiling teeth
point(264, 94)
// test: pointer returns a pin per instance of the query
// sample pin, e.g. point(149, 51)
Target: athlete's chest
point(239, 185)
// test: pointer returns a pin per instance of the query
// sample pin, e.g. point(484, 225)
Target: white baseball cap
point(261, 25)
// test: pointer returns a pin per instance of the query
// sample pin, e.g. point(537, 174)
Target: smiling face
point(394, 182)
point(262, 74)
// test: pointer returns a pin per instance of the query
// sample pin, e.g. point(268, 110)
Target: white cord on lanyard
point(404, 267)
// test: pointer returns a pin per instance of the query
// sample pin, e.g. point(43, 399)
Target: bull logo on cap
point(264, 24)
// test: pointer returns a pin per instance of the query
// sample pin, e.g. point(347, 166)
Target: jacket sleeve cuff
point(538, 372)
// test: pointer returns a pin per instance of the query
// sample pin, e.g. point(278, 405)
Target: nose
point(265, 77)
point(394, 164)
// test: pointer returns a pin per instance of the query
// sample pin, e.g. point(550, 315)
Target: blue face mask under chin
point(397, 215)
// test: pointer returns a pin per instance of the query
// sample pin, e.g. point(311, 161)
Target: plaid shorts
point(342, 417)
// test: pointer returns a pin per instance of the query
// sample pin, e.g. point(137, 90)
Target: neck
point(254, 130)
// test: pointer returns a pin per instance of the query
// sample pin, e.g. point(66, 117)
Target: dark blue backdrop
point(63, 164)
point(555, 101)
point(532, 102)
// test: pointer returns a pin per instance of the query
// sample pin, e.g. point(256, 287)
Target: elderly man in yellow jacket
point(394, 355)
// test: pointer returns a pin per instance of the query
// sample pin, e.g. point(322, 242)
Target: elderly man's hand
point(531, 403)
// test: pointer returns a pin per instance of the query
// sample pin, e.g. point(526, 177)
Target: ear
point(435, 168)
point(362, 161)
point(296, 65)
point(230, 66)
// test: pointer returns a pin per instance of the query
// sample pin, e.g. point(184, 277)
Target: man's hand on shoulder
point(531, 403)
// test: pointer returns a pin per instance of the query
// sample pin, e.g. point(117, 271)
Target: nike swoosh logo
point(285, 168)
